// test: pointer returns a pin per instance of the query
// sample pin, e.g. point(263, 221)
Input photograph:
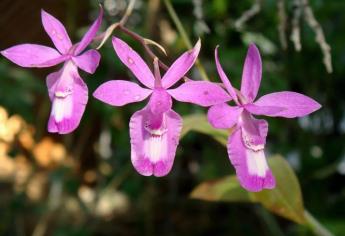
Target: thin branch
point(128, 12)
point(146, 42)
point(316, 226)
point(54, 202)
point(103, 37)
point(320, 37)
point(184, 36)
point(296, 31)
point(200, 26)
point(178, 24)
point(142, 41)
point(282, 23)
point(248, 14)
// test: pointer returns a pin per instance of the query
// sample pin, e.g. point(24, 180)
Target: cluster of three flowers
point(155, 129)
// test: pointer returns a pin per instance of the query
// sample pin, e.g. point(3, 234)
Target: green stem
point(178, 23)
point(315, 225)
point(184, 36)
point(271, 224)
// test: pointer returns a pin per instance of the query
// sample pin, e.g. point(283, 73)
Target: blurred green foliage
point(93, 189)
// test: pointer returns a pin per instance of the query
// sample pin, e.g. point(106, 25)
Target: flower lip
point(154, 145)
point(60, 94)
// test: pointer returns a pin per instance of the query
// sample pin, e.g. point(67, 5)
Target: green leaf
point(284, 200)
point(199, 123)
point(225, 189)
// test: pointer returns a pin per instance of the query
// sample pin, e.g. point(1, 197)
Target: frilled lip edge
point(251, 166)
point(153, 150)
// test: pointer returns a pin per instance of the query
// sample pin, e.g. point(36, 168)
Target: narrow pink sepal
point(202, 93)
point(56, 32)
point(69, 95)
point(90, 34)
point(181, 66)
point(88, 61)
point(251, 167)
point(252, 72)
point(33, 55)
point(134, 62)
point(153, 150)
point(292, 104)
point(223, 76)
point(120, 92)
point(223, 116)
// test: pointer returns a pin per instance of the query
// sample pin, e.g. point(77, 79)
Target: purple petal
point(90, 34)
point(223, 77)
point(56, 32)
point(153, 149)
point(88, 61)
point(51, 82)
point(251, 76)
point(202, 93)
point(181, 66)
point(120, 92)
point(251, 167)
point(292, 104)
point(263, 110)
point(254, 132)
point(69, 95)
point(33, 55)
point(223, 116)
point(134, 62)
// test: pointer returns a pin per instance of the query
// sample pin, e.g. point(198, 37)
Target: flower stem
point(120, 26)
point(315, 225)
point(184, 36)
point(141, 40)
point(178, 23)
point(128, 12)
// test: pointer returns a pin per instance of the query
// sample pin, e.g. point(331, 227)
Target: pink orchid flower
point(155, 129)
point(246, 144)
point(67, 91)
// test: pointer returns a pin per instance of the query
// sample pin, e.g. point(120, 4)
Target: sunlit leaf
point(225, 189)
point(285, 200)
point(199, 123)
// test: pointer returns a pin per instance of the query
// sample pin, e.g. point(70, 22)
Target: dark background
point(84, 184)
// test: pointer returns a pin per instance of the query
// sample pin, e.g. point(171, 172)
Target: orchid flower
point(155, 129)
point(67, 91)
point(246, 143)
